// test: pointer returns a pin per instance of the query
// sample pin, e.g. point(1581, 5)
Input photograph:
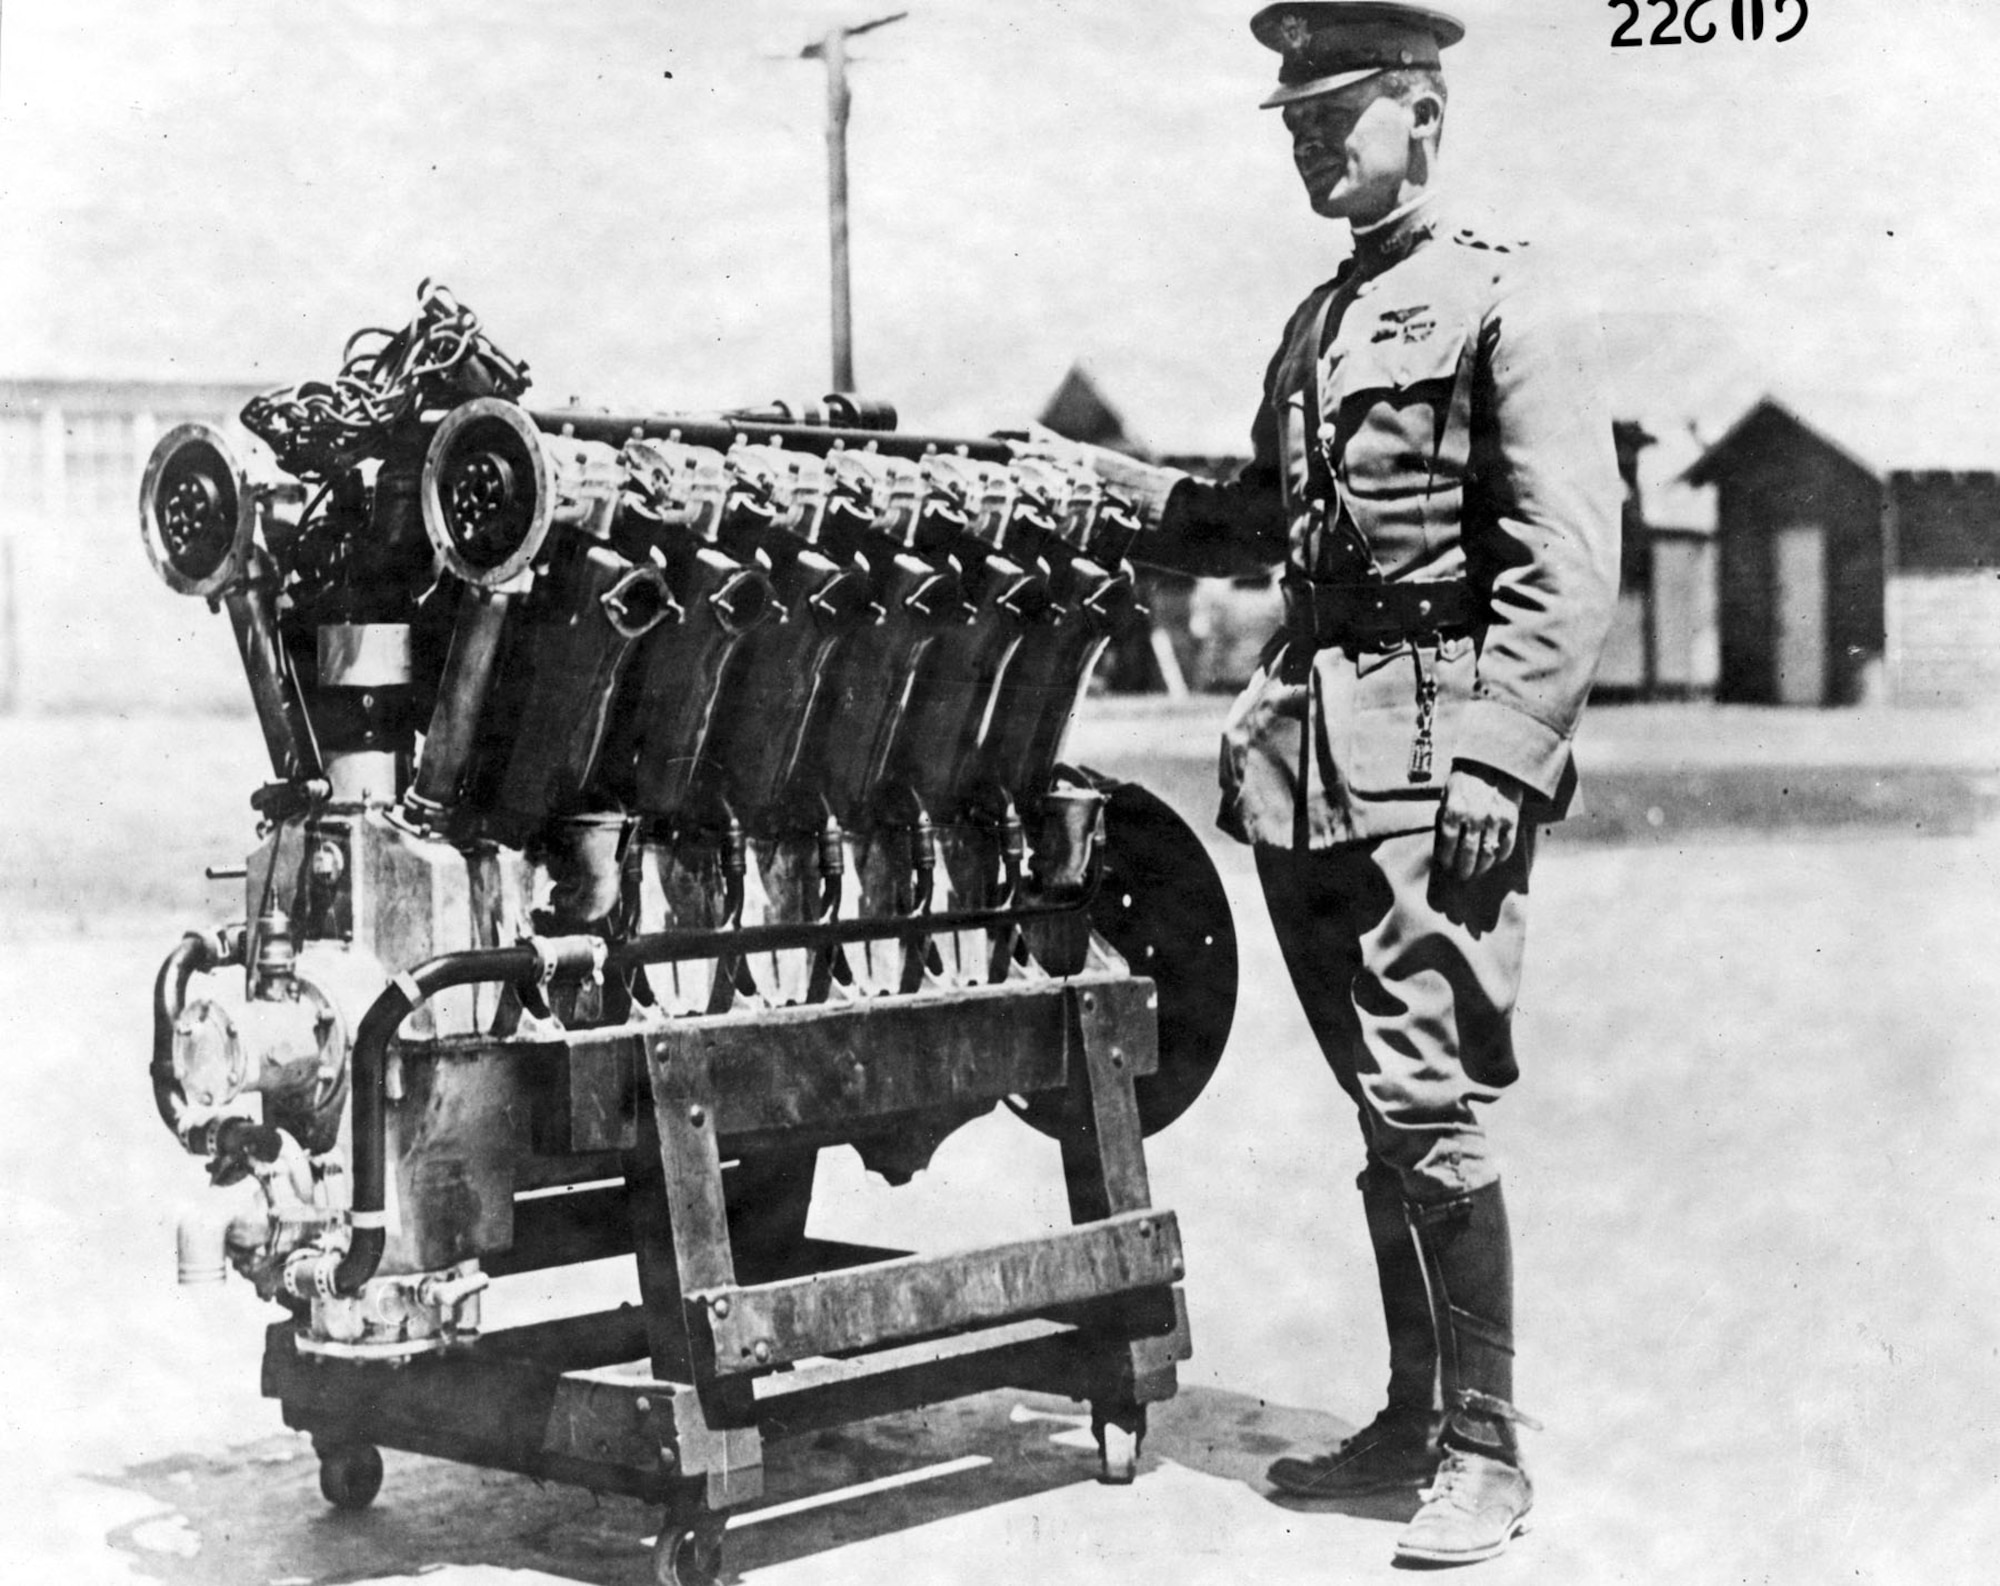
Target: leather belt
point(1374, 615)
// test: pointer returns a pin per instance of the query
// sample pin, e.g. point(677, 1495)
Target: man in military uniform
point(1433, 465)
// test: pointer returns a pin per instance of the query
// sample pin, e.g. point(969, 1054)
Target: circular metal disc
point(488, 492)
point(194, 512)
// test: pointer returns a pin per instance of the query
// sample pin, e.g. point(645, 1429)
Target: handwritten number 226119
point(1746, 21)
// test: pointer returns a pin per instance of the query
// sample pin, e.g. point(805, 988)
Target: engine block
point(657, 800)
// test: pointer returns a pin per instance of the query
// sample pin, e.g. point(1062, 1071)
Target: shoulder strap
point(1316, 464)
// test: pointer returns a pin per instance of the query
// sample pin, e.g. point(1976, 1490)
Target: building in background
point(84, 621)
point(1799, 525)
point(1941, 608)
point(1663, 642)
point(1851, 569)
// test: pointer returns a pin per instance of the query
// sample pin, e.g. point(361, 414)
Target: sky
point(632, 194)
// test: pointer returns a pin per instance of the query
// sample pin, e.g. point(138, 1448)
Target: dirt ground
point(1749, 1168)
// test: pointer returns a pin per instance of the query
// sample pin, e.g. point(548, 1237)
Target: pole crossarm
point(818, 47)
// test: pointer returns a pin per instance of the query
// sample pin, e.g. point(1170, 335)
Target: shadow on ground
point(1649, 805)
point(256, 1515)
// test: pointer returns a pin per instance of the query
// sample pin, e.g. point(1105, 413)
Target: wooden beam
point(764, 1325)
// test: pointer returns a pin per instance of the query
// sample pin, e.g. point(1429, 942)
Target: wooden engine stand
point(747, 1328)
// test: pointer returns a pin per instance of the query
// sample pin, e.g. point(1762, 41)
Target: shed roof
point(1080, 410)
point(1744, 435)
point(1879, 430)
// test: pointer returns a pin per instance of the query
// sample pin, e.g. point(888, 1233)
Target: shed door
point(1800, 609)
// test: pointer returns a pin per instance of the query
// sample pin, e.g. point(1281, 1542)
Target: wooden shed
point(1860, 552)
point(1799, 522)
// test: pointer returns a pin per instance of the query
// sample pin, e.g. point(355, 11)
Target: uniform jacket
point(1435, 411)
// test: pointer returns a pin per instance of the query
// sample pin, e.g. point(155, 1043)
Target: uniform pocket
point(1393, 398)
point(1262, 736)
point(1398, 356)
point(1384, 724)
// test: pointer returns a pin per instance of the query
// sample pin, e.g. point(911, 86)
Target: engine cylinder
point(659, 753)
point(574, 636)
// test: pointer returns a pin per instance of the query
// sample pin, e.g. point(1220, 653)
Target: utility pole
point(833, 50)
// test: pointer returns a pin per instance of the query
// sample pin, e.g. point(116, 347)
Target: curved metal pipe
point(230, 1136)
point(195, 954)
point(345, 1274)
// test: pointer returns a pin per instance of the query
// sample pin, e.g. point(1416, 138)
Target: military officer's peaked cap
point(1327, 44)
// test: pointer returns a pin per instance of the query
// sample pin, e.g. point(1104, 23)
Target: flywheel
point(1162, 906)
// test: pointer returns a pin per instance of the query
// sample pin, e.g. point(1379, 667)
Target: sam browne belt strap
point(1375, 614)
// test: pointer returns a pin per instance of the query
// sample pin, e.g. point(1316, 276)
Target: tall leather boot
point(1399, 1448)
point(1479, 1500)
point(1406, 1306)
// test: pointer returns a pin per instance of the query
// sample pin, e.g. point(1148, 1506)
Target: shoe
point(1472, 1509)
point(1395, 1451)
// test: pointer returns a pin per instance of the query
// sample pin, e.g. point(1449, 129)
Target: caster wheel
point(1118, 1447)
point(350, 1474)
point(689, 1553)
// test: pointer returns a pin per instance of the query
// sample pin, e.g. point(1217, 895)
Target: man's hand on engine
point(1479, 821)
point(1142, 484)
point(1145, 486)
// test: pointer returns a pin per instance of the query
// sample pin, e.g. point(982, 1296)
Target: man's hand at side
point(1479, 821)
